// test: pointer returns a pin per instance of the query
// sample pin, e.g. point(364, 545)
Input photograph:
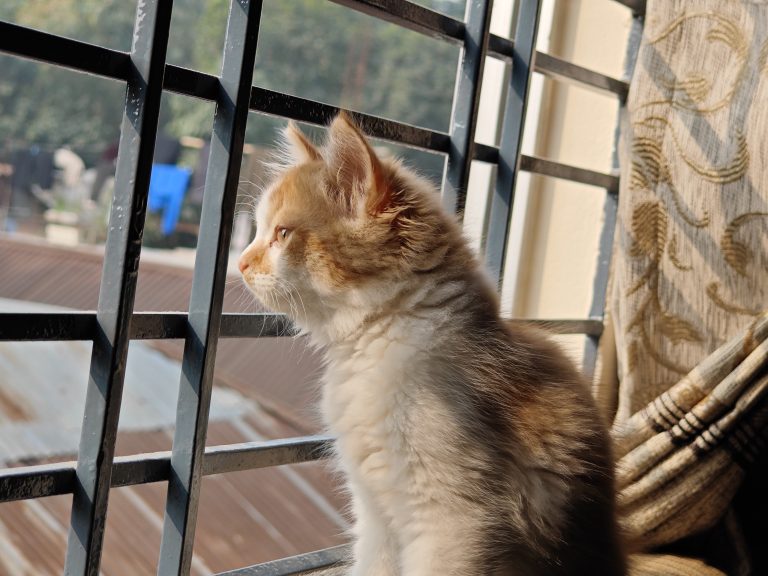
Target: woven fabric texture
point(689, 286)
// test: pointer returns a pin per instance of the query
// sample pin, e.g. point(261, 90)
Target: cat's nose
point(242, 264)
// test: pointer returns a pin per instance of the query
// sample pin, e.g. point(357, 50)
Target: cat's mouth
point(258, 281)
point(274, 294)
point(261, 286)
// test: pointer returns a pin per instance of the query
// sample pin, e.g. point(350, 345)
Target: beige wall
point(576, 126)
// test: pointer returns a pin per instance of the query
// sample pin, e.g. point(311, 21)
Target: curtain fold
point(689, 285)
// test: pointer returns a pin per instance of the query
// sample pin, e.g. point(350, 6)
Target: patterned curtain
point(689, 284)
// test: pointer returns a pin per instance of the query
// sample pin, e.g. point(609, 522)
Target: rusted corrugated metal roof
point(244, 518)
point(47, 381)
point(280, 371)
point(64, 276)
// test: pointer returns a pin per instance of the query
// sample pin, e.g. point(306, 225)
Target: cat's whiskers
point(294, 305)
point(244, 297)
point(294, 294)
point(284, 331)
point(285, 294)
point(282, 292)
point(293, 291)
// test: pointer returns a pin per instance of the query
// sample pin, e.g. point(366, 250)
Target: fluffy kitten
point(471, 447)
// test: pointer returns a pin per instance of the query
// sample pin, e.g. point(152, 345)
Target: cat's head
point(340, 231)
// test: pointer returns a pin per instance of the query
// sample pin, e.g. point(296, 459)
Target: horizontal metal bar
point(486, 153)
point(67, 326)
point(490, 154)
point(312, 112)
point(250, 455)
point(141, 469)
point(297, 564)
point(191, 82)
point(158, 326)
point(563, 70)
point(205, 86)
point(61, 326)
point(411, 16)
point(566, 172)
point(27, 482)
point(501, 48)
point(589, 327)
point(60, 51)
point(554, 67)
point(168, 325)
point(84, 57)
point(44, 326)
point(110, 63)
point(255, 326)
point(114, 64)
point(92, 59)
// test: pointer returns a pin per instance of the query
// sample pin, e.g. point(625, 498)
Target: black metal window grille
point(111, 327)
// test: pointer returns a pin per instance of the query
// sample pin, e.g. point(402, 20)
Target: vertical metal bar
point(466, 101)
point(610, 210)
point(512, 135)
point(118, 287)
point(599, 290)
point(208, 287)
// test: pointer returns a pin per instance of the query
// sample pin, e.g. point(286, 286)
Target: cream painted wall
point(576, 126)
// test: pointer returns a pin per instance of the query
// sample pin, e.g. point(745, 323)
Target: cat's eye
point(282, 233)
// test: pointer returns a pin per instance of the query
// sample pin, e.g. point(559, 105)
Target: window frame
point(114, 324)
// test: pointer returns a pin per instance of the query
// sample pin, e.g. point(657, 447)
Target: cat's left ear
point(353, 163)
point(298, 146)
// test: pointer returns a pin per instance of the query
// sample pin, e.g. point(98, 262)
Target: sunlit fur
point(470, 447)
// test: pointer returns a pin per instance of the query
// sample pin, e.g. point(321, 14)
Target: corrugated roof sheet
point(279, 371)
point(47, 381)
point(244, 518)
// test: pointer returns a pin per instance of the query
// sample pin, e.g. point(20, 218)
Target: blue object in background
point(167, 187)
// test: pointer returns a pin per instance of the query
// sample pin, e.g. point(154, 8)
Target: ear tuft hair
point(298, 148)
point(352, 162)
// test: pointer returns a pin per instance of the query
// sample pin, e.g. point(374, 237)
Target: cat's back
point(534, 416)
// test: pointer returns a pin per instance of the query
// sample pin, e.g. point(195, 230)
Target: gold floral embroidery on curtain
point(690, 273)
point(656, 147)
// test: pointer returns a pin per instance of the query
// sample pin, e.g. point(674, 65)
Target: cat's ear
point(298, 147)
point(355, 167)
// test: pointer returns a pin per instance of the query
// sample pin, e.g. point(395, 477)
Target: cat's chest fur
point(365, 389)
point(377, 402)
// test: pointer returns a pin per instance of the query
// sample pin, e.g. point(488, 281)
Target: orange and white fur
point(470, 447)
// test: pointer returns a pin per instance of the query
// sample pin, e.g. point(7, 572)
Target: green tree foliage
point(51, 106)
point(319, 50)
point(309, 48)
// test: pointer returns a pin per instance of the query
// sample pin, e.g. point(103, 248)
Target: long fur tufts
point(471, 447)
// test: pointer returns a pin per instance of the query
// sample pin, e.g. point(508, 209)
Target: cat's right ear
point(355, 166)
point(298, 147)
